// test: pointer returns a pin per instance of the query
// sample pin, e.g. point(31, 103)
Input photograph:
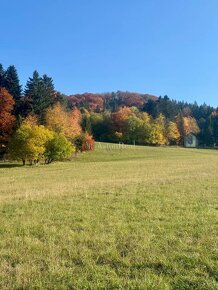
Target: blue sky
point(148, 46)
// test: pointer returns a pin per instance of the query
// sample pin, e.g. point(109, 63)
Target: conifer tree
point(32, 85)
point(40, 92)
point(2, 76)
point(12, 83)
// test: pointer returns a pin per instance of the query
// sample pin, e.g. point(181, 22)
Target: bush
point(84, 142)
point(58, 148)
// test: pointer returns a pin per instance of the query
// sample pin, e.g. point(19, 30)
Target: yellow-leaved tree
point(158, 134)
point(173, 134)
point(186, 125)
point(29, 142)
point(190, 126)
point(63, 122)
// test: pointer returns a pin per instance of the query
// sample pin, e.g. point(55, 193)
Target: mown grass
point(116, 218)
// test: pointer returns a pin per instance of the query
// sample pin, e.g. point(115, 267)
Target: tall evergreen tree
point(48, 84)
point(12, 83)
point(48, 91)
point(40, 92)
point(151, 107)
point(31, 89)
point(2, 76)
point(32, 85)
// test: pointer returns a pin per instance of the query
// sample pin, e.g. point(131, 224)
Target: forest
point(39, 122)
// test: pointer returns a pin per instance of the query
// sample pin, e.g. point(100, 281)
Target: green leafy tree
point(86, 122)
point(58, 148)
point(215, 126)
point(138, 130)
point(101, 124)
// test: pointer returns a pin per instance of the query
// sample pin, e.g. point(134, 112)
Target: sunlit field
point(116, 218)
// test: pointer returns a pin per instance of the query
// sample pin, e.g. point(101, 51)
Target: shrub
point(84, 142)
point(58, 148)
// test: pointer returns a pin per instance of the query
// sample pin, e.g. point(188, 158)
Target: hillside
point(130, 118)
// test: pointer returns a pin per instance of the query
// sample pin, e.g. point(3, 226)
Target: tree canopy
point(40, 111)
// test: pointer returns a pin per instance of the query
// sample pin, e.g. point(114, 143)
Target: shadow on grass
point(9, 165)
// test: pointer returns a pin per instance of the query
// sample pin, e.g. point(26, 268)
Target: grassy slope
point(143, 218)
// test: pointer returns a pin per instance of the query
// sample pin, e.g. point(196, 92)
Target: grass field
point(143, 218)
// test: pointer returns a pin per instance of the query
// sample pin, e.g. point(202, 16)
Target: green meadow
point(116, 218)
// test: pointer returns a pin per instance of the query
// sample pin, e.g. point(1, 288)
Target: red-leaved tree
point(7, 119)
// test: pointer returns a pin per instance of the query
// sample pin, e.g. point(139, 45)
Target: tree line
point(35, 123)
point(42, 115)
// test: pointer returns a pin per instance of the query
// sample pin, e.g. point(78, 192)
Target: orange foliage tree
point(120, 117)
point(88, 142)
point(61, 121)
point(130, 99)
point(7, 119)
point(75, 120)
point(88, 101)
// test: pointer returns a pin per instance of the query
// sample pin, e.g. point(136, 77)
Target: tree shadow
point(9, 165)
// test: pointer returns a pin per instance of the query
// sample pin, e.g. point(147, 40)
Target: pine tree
point(41, 93)
point(12, 83)
point(47, 93)
point(48, 84)
point(2, 76)
point(32, 85)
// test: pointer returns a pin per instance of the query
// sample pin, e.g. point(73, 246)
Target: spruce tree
point(12, 83)
point(46, 95)
point(2, 76)
point(40, 92)
point(32, 85)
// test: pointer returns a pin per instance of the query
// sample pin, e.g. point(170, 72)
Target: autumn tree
point(88, 101)
point(147, 127)
point(172, 132)
point(84, 142)
point(7, 120)
point(75, 118)
point(29, 142)
point(88, 142)
point(57, 120)
point(186, 125)
point(158, 133)
point(130, 99)
point(61, 121)
point(31, 119)
point(190, 126)
point(120, 118)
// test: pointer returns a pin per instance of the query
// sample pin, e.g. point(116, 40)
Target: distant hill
point(101, 101)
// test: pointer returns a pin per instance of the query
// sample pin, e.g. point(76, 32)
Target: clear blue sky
point(148, 46)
